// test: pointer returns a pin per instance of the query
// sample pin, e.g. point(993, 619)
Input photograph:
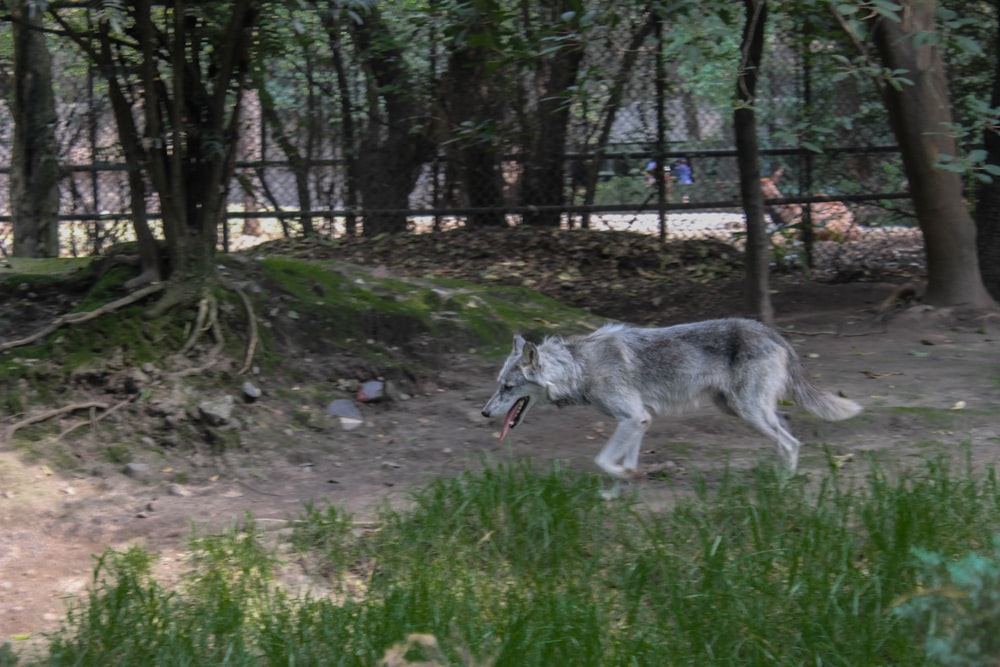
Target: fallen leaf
point(842, 460)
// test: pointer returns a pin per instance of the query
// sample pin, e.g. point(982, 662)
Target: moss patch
point(346, 304)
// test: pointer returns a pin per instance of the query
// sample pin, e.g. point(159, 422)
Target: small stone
point(178, 490)
point(349, 424)
point(343, 408)
point(216, 412)
point(371, 391)
point(251, 392)
point(348, 413)
point(136, 469)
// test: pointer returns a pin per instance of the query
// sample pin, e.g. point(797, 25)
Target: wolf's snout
point(486, 413)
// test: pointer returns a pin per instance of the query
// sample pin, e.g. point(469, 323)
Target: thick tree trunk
point(920, 116)
point(758, 249)
point(543, 180)
point(34, 176)
point(987, 213)
point(469, 101)
point(395, 144)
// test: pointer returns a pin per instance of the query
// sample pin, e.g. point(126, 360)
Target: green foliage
point(622, 190)
point(517, 566)
point(957, 607)
point(8, 657)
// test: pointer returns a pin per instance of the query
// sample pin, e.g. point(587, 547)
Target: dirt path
point(929, 384)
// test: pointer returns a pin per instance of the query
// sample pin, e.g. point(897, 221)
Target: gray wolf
point(743, 366)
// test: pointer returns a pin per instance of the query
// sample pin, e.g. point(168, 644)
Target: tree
point(471, 111)
point(176, 75)
point(34, 176)
point(987, 215)
point(394, 140)
point(758, 248)
point(556, 67)
point(920, 116)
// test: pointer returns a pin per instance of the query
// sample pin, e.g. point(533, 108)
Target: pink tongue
point(509, 420)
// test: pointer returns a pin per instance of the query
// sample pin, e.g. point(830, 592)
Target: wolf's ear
point(529, 356)
point(518, 344)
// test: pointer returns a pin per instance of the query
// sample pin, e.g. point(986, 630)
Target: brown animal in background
point(832, 221)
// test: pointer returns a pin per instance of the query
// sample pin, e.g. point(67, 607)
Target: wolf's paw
point(615, 491)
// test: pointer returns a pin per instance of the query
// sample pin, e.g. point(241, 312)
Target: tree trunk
point(34, 176)
point(987, 213)
point(758, 250)
point(543, 180)
point(395, 143)
point(920, 116)
point(470, 102)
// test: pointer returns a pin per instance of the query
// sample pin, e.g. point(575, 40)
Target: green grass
point(516, 566)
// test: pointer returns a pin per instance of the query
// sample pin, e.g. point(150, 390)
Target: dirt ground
point(929, 381)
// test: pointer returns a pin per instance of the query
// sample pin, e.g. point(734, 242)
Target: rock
point(251, 392)
point(343, 408)
point(136, 470)
point(371, 391)
point(178, 490)
point(348, 413)
point(216, 412)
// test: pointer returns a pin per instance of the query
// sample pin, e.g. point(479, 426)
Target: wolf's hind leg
point(768, 423)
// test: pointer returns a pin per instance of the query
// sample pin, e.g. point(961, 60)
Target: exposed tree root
point(44, 416)
point(79, 318)
point(94, 418)
point(206, 320)
point(199, 326)
point(252, 320)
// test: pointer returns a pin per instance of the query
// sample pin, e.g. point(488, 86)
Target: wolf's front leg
point(620, 456)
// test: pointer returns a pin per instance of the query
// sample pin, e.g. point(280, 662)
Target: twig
point(263, 493)
point(79, 318)
point(838, 334)
point(72, 407)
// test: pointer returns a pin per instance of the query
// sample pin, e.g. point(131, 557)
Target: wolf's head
point(519, 387)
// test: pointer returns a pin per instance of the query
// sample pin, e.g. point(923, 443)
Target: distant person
point(651, 174)
point(682, 173)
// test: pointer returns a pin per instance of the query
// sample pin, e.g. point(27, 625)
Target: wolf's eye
point(507, 387)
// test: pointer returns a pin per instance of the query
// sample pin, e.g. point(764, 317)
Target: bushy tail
point(821, 403)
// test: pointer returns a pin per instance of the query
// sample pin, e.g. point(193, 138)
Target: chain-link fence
point(642, 141)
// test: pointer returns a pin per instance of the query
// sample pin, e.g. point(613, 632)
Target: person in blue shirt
point(681, 172)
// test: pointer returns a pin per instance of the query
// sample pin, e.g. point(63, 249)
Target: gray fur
point(742, 366)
